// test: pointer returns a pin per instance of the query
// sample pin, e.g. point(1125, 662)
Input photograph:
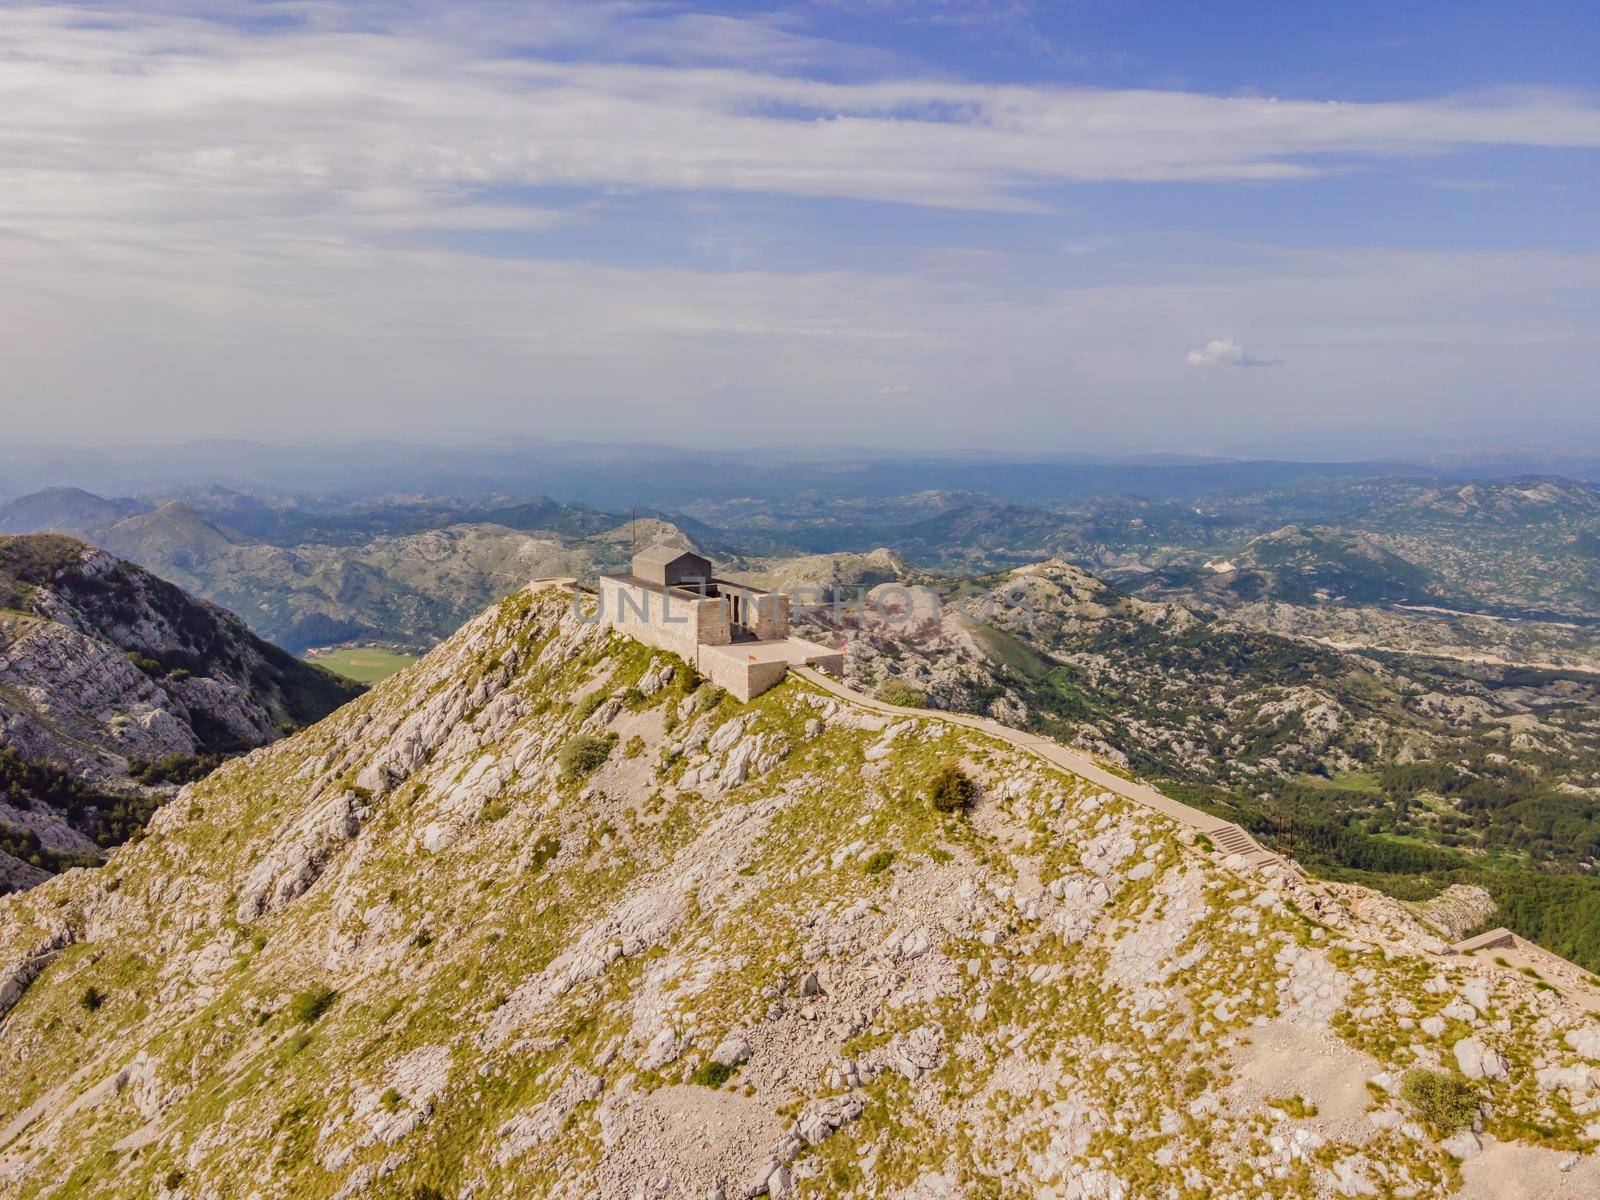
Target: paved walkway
point(1225, 835)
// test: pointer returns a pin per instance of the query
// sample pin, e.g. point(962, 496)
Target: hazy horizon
point(1291, 233)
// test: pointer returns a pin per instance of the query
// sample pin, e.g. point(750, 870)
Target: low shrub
point(582, 754)
point(712, 1074)
point(92, 999)
point(898, 691)
point(309, 1006)
point(1443, 1102)
point(879, 862)
point(174, 768)
point(950, 790)
point(544, 850)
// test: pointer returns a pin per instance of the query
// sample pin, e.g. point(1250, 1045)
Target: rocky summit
point(545, 916)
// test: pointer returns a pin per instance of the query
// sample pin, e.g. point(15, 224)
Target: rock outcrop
point(416, 950)
point(115, 687)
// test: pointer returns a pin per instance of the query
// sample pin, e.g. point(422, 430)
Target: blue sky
point(1240, 228)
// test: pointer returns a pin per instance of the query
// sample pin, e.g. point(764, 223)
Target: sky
point(1317, 231)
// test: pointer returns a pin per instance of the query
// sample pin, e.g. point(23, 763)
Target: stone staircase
point(1231, 839)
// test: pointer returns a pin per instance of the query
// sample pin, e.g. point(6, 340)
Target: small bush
point(582, 754)
point(898, 691)
point(173, 768)
point(708, 698)
point(146, 664)
point(1442, 1102)
point(634, 748)
point(544, 850)
point(950, 790)
point(879, 862)
point(310, 1005)
point(175, 1180)
point(391, 1100)
point(92, 999)
point(712, 1074)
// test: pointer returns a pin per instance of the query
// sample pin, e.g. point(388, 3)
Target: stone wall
point(769, 615)
point(664, 621)
point(742, 680)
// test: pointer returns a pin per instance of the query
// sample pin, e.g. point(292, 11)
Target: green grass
point(1349, 781)
point(1011, 650)
point(364, 664)
point(1297, 1107)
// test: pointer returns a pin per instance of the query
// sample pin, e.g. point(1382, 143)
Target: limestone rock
point(1478, 1061)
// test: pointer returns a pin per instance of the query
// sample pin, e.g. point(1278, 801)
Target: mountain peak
point(539, 916)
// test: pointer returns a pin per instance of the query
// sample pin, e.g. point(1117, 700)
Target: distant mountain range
point(406, 574)
point(672, 477)
point(308, 571)
point(1311, 564)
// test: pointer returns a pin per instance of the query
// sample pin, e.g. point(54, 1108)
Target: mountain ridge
point(114, 682)
point(414, 952)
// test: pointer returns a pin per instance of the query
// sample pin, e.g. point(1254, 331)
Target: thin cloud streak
point(154, 121)
point(376, 218)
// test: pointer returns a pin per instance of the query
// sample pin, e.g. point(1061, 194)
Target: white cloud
point(1224, 352)
point(210, 230)
point(152, 125)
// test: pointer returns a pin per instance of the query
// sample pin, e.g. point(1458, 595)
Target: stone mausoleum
point(736, 636)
